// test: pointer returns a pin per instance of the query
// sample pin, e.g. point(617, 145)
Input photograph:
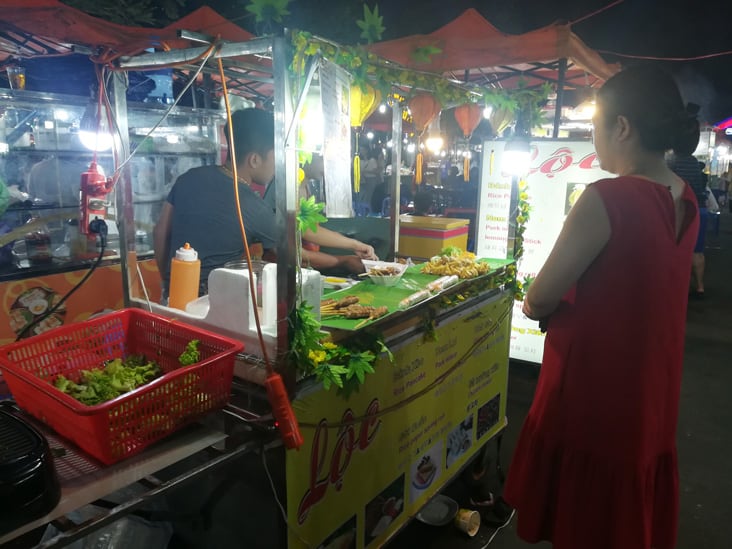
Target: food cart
point(428, 388)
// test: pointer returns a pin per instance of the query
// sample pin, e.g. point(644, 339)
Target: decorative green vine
point(523, 211)
point(428, 325)
point(367, 67)
point(312, 353)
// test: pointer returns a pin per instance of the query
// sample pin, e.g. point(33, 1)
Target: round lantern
point(468, 116)
point(364, 99)
point(423, 108)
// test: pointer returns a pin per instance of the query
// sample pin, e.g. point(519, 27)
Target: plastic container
point(129, 423)
point(257, 269)
point(383, 279)
point(185, 277)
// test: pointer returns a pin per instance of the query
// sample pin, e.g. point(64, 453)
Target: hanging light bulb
point(434, 139)
point(517, 156)
point(94, 131)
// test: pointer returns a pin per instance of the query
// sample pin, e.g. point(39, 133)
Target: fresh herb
point(451, 251)
point(116, 378)
point(191, 355)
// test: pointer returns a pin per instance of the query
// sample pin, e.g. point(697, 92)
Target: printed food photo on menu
point(459, 440)
point(381, 511)
point(488, 415)
point(425, 469)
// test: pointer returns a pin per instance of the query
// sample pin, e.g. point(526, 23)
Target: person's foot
point(498, 514)
point(697, 294)
point(480, 494)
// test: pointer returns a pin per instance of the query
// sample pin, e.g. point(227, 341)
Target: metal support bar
point(560, 96)
point(285, 197)
point(123, 509)
point(124, 206)
point(173, 57)
point(396, 175)
point(195, 36)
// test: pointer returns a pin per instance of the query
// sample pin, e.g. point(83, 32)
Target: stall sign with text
point(494, 204)
point(371, 462)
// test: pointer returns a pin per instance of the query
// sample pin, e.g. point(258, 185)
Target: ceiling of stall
point(44, 29)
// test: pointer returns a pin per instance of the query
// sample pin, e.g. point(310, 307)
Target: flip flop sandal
point(481, 497)
point(498, 514)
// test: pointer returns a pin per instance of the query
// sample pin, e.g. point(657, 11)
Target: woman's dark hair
point(253, 131)
point(650, 99)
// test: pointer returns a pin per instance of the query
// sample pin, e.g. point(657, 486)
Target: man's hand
point(364, 251)
point(351, 263)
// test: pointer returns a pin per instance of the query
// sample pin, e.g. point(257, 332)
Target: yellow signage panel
point(370, 463)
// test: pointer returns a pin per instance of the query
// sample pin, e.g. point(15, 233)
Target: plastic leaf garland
point(309, 215)
point(423, 54)
point(372, 24)
point(268, 10)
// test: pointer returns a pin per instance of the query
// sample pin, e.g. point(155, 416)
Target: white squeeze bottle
point(185, 276)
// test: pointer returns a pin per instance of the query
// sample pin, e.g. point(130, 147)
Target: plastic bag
point(127, 532)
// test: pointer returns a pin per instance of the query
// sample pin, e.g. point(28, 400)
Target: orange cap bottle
point(185, 276)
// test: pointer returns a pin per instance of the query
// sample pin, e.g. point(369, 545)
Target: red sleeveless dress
point(595, 466)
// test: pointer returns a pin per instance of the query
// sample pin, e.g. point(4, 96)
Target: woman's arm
point(333, 239)
point(161, 238)
point(584, 235)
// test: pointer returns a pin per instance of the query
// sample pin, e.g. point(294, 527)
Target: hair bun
point(692, 109)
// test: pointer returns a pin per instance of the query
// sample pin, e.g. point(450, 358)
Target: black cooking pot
point(29, 487)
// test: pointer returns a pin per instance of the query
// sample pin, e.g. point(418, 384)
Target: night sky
point(658, 28)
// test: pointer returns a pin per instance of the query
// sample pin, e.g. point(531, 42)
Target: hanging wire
point(235, 177)
point(654, 58)
point(592, 14)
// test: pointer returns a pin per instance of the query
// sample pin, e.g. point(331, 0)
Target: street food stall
point(395, 380)
point(469, 48)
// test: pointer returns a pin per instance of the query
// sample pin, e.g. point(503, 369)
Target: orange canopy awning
point(30, 28)
point(472, 43)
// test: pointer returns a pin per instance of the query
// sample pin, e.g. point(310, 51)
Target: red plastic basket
point(124, 426)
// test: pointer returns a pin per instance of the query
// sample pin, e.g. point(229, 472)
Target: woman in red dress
point(595, 466)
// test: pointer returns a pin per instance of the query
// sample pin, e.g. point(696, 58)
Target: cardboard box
point(423, 237)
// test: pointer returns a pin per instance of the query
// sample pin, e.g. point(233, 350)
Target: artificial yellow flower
point(316, 356)
point(329, 345)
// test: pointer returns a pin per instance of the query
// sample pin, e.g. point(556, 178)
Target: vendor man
point(200, 207)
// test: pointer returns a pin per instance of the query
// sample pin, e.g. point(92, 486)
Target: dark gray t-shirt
point(204, 215)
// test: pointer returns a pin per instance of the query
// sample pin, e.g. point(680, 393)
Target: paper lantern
point(468, 116)
point(364, 101)
point(423, 107)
